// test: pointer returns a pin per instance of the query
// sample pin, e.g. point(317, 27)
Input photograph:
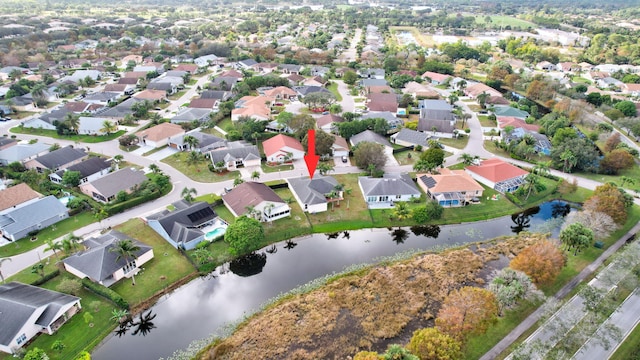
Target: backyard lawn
point(77, 138)
point(198, 171)
point(486, 122)
point(55, 231)
point(275, 168)
point(167, 267)
point(459, 143)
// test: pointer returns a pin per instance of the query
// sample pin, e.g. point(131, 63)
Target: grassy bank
point(77, 138)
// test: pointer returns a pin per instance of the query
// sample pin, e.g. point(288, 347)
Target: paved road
point(350, 54)
point(625, 318)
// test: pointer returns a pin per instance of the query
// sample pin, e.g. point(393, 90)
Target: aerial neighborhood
point(145, 150)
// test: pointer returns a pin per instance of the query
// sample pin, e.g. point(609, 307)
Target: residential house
point(384, 192)
point(235, 155)
point(255, 107)
point(436, 78)
point(314, 81)
point(83, 74)
point(383, 89)
point(371, 73)
point(418, 90)
point(221, 96)
point(92, 125)
point(246, 64)
point(314, 195)
point(206, 60)
point(137, 59)
point(20, 221)
point(510, 112)
point(22, 153)
point(131, 81)
point(545, 66)
point(436, 114)
point(474, 90)
point(167, 87)
point(328, 122)
point(158, 136)
point(206, 142)
point(281, 92)
point(256, 200)
point(150, 67)
point(57, 159)
point(7, 70)
point(232, 74)
point(105, 188)
point(5, 109)
point(281, 148)
point(369, 136)
point(204, 104)
point(155, 96)
point(367, 83)
point(497, 100)
point(569, 67)
point(77, 107)
point(498, 175)
point(306, 90)
point(189, 115)
point(187, 225)
point(266, 68)
point(451, 188)
point(290, 68)
point(393, 121)
point(515, 122)
point(101, 263)
point(382, 102)
point(189, 68)
point(102, 98)
point(90, 169)
point(632, 89)
point(295, 79)
point(224, 83)
point(29, 310)
point(317, 70)
point(340, 147)
point(610, 83)
point(16, 196)
point(119, 111)
point(541, 145)
point(6, 143)
point(408, 137)
point(135, 75)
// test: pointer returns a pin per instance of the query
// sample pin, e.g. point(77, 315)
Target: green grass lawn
point(502, 20)
point(199, 171)
point(334, 90)
point(459, 143)
point(633, 173)
point(78, 138)
point(76, 334)
point(55, 231)
point(275, 168)
point(287, 228)
point(580, 79)
point(167, 267)
point(407, 157)
point(630, 348)
point(486, 122)
point(177, 95)
point(226, 124)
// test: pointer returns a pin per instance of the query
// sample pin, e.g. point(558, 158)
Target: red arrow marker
point(311, 159)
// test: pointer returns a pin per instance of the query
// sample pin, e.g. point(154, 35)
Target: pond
point(199, 308)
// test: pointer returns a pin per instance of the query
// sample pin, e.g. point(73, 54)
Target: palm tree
point(371, 169)
point(542, 168)
point(116, 161)
point(531, 183)
point(126, 249)
point(569, 159)
point(255, 175)
point(325, 168)
point(401, 210)
point(191, 141)
point(154, 168)
point(55, 246)
point(70, 242)
point(237, 181)
point(73, 121)
point(188, 193)
point(193, 158)
point(108, 127)
point(155, 118)
point(468, 159)
point(119, 314)
point(1, 261)
point(38, 93)
point(626, 179)
point(482, 99)
point(452, 99)
point(101, 215)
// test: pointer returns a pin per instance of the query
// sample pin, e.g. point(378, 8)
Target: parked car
point(344, 159)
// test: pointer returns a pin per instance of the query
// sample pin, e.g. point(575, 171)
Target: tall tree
point(191, 141)
point(466, 311)
point(243, 235)
point(370, 155)
point(126, 249)
point(576, 236)
point(108, 127)
point(188, 193)
point(432, 344)
point(542, 261)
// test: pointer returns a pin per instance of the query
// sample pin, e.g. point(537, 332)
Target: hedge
point(122, 206)
point(105, 292)
point(46, 278)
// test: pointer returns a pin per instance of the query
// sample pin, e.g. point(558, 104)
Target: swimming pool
point(211, 235)
point(65, 199)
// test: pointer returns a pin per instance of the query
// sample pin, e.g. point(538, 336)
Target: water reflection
point(142, 326)
point(331, 236)
point(346, 235)
point(289, 244)
point(432, 231)
point(398, 235)
point(522, 220)
point(560, 209)
point(272, 249)
point(248, 265)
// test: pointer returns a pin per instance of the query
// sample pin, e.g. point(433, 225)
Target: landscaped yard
point(486, 122)
point(275, 168)
point(334, 90)
point(167, 267)
point(77, 138)
point(55, 231)
point(197, 171)
point(633, 173)
point(407, 157)
point(459, 143)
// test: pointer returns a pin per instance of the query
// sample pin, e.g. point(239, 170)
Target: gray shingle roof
point(390, 184)
point(18, 302)
point(216, 94)
point(60, 157)
point(120, 110)
point(312, 191)
point(412, 136)
point(436, 110)
point(190, 114)
point(440, 125)
point(87, 167)
point(235, 150)
point(98, 262)
point(306, 90)
point(510, 111)
point(123, 179)
point(182, 223)
point(369, 136)
point(20, 152)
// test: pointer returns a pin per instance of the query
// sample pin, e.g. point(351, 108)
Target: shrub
point(105, 292)
point(69, 286)
point(46, 278)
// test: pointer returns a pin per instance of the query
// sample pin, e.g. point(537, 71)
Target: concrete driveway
point(166, 152)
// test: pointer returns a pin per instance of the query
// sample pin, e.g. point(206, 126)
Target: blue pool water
point(65, 199)
point(214, 233)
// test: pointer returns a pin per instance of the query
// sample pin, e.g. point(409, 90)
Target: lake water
point(199, 308)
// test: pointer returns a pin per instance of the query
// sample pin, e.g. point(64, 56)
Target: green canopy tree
point(576, 236)
point(243, 235)
point(431, 343)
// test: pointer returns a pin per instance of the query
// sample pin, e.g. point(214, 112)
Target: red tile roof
point(504, 121)
point(496, 170)
point(436, 76)
point(273, 145)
